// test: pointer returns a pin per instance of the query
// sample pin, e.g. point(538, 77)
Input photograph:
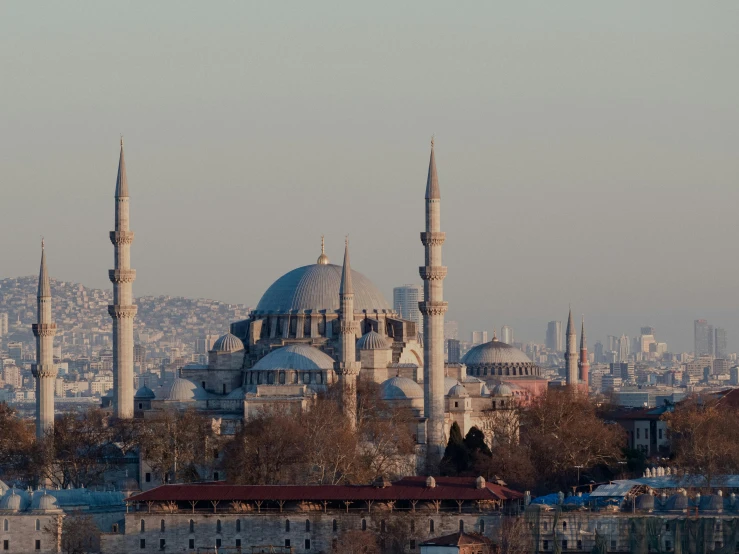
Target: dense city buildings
point(703, 333)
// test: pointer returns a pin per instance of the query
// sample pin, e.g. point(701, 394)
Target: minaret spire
point(583, 364)
point(323, 259)
point(43, 370)
point(347, 368)
point(122, 310)
point(433, 309)
point(571, 352)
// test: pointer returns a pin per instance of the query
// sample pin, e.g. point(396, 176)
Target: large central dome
point(316, 288)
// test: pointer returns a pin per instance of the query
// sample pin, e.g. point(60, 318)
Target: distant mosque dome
point(144, 393)
point(184, 390)
point(400, 388)
point(301, 357)
point(498, 358)
point(227, 343)
point(449, 384)
point(372, 341)
point(315, 288)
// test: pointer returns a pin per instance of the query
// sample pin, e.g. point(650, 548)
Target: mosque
point(316, 326)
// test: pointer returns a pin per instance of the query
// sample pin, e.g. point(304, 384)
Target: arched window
point(38, 525)
point(306, 378)
point(161, 526)
point(142, 527)
point(282, 377)
point(413, 526)
point(287, 526)
point(238, 526)
point(295, 377)
point(482, 526)
point(192, 526)
point(431, 526)
point(336, 525)
point(307, 526)
point(461, 526)
point(271, 378)
point(364, 525)
point(382, 526)
point(564, 525)
point(218, 526)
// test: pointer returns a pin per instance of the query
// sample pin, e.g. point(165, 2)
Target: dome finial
point(323, 259)
point(495, 335)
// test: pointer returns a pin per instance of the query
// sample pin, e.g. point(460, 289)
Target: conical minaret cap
point(121, 184)
point(44, 286)
point(570, 324)
point(432, 183)
point(346, 273)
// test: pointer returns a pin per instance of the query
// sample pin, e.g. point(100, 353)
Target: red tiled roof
point(409, 488)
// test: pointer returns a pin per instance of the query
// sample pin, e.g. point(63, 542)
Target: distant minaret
point(122, 310)
point(348, 366)
point(584, 364)
point(433, 308)
point(44, 370)
point(571, 353)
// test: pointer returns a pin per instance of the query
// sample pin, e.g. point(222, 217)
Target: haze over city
point(586, 152)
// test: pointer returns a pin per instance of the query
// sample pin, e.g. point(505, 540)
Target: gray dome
point(236, 394)
point(645, 502)
point(677, 502)
point(458, 391)
point(449, 384)
point(498, 358)
point(144, 393)
point(11, 502)
point(228, 343)
point(296, 356)
point(47, 502)
point(501, 389)
point(400, 388)
point(316, 288)
point(372, 341)
point(183, 390)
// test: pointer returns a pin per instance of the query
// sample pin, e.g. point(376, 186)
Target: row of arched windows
point(503, 371)
point(260, 377)
point(162, 526)
point(6, 525)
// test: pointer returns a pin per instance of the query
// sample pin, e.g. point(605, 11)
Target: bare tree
point(357, 542)
point(16, 444)
point(514, 536)
point(74, 533)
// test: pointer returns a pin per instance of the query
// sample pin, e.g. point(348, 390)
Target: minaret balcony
point(122, 275)
point(433, 308)
point(119, 312)
point(432, 273)
point(44, 329)
point(121, 237)
point(433, 238)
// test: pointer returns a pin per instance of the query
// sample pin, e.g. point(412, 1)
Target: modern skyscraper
point(599, 353)
point(611, 343)
point(583, 364)
point(554, 336)
point(454, 353)
point(451, 330)
point(122, 310)
point(647, 330)
point(571, 352)
point(479, 337)
point(405, 302)
point(433, 309)
point(720, 346)
point(506, 334)
point(623, 349)
point(44, 370)
point(348, 366)
point(702, 341)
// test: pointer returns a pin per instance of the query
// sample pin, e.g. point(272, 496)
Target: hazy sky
point(587, 151)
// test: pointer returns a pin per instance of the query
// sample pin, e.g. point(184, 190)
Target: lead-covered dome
point(296, 356)
point(184, 390)
point(228, 343)
point(372, 341)
point(316, 288)
point(144, 393)
point(400, 388)
point(498, 358)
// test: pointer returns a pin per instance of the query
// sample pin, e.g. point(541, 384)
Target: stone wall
point(23, 532)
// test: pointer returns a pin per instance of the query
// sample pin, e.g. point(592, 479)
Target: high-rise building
point(647, 331)
point(405, 302)
point(719, 343)
point(453, 351)
point(623, 348)
point(451, 330)
point(204, 344)
point(703, 339)
point(612, 343)
point(555, 341)
point(479, 337)
point(599, 353)
point(15, 351)
point(3, 324)
point(506, 334)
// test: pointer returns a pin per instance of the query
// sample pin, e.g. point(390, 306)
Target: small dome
point(372, 341)
point(296, 356)
point(183, 390)
point(645, 502)
point(144, 393)
point(400, 388)
point(449, 383)
point(47, 502)
point(458, 391)
point(501, 389)
point(677, 502)
point(480, 482)
point(11, 501)
point(228, 343)
point(499, 358)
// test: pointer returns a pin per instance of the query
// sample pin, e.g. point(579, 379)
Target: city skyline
point(588, 108)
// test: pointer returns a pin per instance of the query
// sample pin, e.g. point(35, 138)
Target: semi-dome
point(296, 356)
point(316, 288)
point(372, 340)
point(458, 391)
point(498, 358)
point(400, 388)
point(184, 390)
point(144, 393)
point(228, 343)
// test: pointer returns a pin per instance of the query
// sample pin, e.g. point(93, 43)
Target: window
point(334, 545)
point(238, 543)
point(307, 544)
point(38, 544)
point(218, 526)
point(646, 433)
point(307, 526)
point(456, 404)
point(660, 434)
point(115, 527)
point(142, 527)
point(306, 378)
point(191, 544)
point(668, 545)
point(238, 526)
point(142, 544)
point(141, 405)
point(667, 526)
point(5, 525)
point(287, 526)
point(413, 544)
point(482, 526)
point(192, 526)
point(161, 526)
point(564, 525)
point(162, 544)
point(613, 545)
point(148, 478)
point(364, 525)
point(461, 526)
point(564, 544)
point(218, 543)
point(287, 543)
point(203, 383)
point(638, 433)
point(216, 475)
point(382, 526)
point(224, 388)
point(431, 526)
point(215, 453)
point(6, 544)
point(282, 377)
point(336, 526)
point(579, 545)
point(38, 525)
point(545, 545)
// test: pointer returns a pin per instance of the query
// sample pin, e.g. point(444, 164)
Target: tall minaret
point(571, 353)
point(44, 370)
point(348, 366)
point(122, 310)
point(433, 308)
point(584, 364)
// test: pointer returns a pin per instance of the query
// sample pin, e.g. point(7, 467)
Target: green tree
point(456, 457)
